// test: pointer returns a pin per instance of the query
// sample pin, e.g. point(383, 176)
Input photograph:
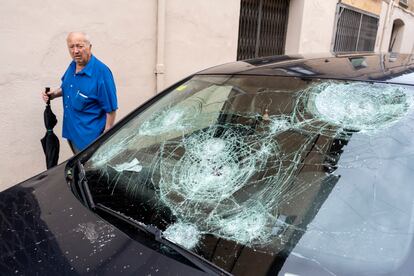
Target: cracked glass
point(254, 173)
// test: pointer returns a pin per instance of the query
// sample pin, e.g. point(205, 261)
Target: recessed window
point(262, 28)
point(355, 31)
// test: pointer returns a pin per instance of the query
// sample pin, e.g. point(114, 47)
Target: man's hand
point(51, 94)
point(110, 120)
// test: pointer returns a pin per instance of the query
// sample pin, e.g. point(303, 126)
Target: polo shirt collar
point(88, 69)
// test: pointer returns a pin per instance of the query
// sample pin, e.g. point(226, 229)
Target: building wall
point(407, 43)
point(395, 11)
point(318, 25)
point(371, 6)
point(199, 35)
point(123, 34)
point(410, 5)
point(294, 28)
point(310, 26)
point(312, 23)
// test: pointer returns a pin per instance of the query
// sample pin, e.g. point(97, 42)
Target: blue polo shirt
point(87, 96)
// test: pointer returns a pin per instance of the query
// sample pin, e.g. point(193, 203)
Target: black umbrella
point(50, 142)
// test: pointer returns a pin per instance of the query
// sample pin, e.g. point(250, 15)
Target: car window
point(270, 170)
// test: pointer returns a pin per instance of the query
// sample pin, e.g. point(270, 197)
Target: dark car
point(275, 166)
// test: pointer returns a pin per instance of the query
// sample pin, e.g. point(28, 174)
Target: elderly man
point(89, 94)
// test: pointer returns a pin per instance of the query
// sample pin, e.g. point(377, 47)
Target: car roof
point(389, 67)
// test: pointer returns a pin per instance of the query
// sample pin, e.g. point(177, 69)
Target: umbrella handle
point(47, 89)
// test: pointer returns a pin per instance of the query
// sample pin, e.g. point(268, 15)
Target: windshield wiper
point(84, 187)
point(196, 260)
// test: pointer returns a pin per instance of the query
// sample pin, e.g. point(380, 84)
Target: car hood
point(45, 230)
point(389, 67)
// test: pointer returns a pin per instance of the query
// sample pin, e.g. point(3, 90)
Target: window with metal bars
point(355, 31)
point(262, 28)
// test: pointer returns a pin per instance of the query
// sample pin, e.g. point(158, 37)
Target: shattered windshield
point(265, 175)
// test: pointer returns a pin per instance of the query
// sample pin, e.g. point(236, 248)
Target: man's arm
point(110, 120)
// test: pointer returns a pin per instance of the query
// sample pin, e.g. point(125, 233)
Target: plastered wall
point(123, 33)
point(371, 6)
point(405, 37)
point(310, 26)
point(312, 23)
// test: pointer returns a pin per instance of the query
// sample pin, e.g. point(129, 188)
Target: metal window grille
point(262, 28)
point(355, 31)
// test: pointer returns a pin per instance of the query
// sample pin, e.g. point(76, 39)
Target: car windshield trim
point(82, 184)
point(87, 197)
point(196, 260)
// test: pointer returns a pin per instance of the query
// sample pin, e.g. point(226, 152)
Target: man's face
point(79, 48)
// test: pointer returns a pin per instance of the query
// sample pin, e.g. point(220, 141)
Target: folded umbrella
point(50, 142)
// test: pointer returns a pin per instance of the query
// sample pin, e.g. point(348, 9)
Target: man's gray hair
point(87, 38)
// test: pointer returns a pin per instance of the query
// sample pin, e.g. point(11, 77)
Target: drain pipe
point(159, 64)
point(386, 22)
